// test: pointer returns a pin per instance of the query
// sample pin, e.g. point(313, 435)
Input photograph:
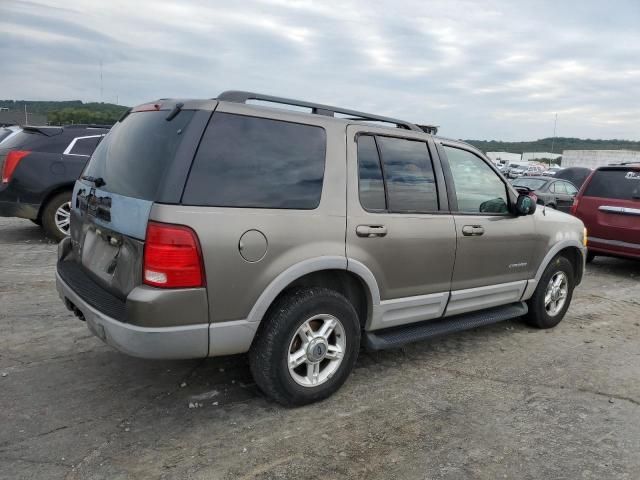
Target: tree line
point(556, 145)
point(68, 112)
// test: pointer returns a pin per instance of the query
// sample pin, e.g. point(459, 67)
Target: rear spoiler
point(48, 131)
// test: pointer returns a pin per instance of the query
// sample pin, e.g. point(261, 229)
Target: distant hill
point(559, 144)
point(71, 111)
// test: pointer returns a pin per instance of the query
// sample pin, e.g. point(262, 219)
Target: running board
point(415, 332)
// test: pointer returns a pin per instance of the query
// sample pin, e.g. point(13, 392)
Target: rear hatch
point(113, 198)
point(609, 205)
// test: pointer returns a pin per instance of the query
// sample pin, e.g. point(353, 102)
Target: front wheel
point(553, 294)
point(56, 216)
point(306, 346)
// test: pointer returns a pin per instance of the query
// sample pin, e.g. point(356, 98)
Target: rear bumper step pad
point(415, 332)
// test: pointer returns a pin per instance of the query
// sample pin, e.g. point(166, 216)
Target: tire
point(51, 212)
point(542, 314)
point(36, 221)
point(590, 256)
point(279, 337)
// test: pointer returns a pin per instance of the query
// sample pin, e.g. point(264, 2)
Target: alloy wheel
point(316, 350)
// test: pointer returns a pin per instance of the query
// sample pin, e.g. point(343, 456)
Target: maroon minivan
point(609, 205)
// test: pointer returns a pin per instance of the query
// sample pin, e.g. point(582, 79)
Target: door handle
point(472, 230)
point(371, 231)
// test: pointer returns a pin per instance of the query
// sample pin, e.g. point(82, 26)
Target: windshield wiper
point(97, 181)
point(176, 110)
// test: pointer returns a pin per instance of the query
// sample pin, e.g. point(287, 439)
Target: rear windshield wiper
point(173, 113)
point(97, 181)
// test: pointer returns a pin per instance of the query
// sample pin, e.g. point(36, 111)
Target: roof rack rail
point(237, 96)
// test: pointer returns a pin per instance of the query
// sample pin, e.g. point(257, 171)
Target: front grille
point(92, 293)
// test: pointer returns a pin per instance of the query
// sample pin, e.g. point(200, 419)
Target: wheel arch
point(52, 193)
point(573, 250)
point(354, 281)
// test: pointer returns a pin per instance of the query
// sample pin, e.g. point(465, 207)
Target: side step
point(398, 336)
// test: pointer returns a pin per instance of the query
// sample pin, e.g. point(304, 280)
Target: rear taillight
point(172, 257)
point(574, 206)
point(11, 162)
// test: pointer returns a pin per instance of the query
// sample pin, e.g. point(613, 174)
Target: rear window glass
point(257, 162)
point(620, 184)
point(37, 142)
point(4, 133)
point(133, 157)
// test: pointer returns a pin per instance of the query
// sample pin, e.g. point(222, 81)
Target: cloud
point(495, 69)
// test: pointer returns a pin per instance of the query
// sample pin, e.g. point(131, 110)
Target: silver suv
point(215, 227)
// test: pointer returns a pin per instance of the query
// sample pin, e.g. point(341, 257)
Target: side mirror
point(525, 205)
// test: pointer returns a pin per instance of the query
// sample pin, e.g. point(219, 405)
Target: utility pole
point(26, 115)
point(100, 81)
point(553, 141)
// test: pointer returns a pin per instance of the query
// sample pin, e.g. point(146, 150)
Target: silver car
point(215, 227)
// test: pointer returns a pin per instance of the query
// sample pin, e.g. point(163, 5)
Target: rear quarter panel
point(293, 236)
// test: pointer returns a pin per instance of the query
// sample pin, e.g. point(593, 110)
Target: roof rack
point(237, 96)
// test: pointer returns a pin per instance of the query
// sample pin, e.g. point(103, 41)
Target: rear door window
point(408, 174)
point(619, 184)
point(257, 162)
point(136, 152)
point(371, 184)
point(571, 190)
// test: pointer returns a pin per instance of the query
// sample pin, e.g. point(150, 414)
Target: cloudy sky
point(491, 69)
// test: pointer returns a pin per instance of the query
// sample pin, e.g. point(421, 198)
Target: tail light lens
point(574, 206)
point(11, 162)
point(172, 257)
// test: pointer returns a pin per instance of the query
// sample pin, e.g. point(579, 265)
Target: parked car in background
point(558, 194)
point(6, 132)
point(216, 227)
point(516, 170)
point(575, 175)
point(609, 205)
point(551, 171)
point(533, 170)
point(39, 166)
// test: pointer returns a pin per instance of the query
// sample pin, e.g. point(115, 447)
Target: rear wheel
point(306, 346)
point(553, 294)
point(56, 216)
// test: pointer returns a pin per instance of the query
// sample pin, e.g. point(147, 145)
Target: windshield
point(133, 157)
point(532, 183)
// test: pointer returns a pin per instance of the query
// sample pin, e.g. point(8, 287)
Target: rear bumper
point(188, 341)
point(17, 209)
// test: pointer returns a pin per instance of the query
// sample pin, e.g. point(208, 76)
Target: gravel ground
point(504, 401)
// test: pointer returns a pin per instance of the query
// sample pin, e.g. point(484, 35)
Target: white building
point(597, 158)
point(504, 157)
point(535, 156)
